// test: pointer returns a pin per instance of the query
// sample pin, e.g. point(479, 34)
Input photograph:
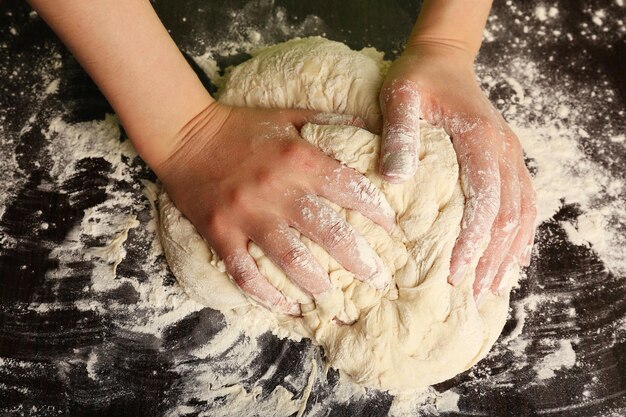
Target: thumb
point(400, 104)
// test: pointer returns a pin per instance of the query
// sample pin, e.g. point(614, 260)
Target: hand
point(437, 83)
point(242, 175)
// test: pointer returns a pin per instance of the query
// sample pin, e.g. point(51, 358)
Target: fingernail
point(326, 292)
point(320, 281)
point(358, 122)
point(503, 285)
point(398, 167)
point(480, 298)
point(458, 275)
point(389, 213)
point(294, 309)
point(377, 275)
point(343, 323)
point(380, 279)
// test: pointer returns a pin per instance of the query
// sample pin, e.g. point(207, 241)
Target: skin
point(245, 175)
point(260, 203)
point(240, 175)
point(434, 78)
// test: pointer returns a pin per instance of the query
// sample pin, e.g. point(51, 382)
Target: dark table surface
point(55, 317)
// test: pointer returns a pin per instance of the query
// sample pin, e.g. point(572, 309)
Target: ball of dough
point(422, 330)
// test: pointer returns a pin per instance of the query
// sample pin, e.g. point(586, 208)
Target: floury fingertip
point(381, 279)
point(294, 310)
point(457, 277)
point(398, 167)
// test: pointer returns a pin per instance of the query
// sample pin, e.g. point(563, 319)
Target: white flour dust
point(570, 165)
point(563, 357)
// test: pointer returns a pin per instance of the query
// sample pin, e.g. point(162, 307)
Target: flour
point(554, 108)
point(418, 333)
point(9, 171)
point(91, 365)
point(564, 357)
point(255, 25)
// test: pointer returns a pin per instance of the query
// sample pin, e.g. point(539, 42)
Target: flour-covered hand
point(436, 82)
point(245, 175)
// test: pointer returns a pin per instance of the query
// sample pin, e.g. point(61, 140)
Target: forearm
point(456, 24)
point(133, 60)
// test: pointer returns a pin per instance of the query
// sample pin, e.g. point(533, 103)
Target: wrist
point(199, 132)
point(451, 24)
point(455, 51)
point(432, 51)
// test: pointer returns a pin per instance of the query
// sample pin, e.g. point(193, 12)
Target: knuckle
point(236, 197)
point(337, 235)
point(363, 189)
point(243, 277)
point(488, 207)
point(239, 200)
point(274, 301)
point(241, 271)
point(216, 222)
point(529, 202)
point(293, 257)
point(509, 220)
point(296, 152)
point(306, 201)
point(399, 91)
point(480, 216)
point(266, 177)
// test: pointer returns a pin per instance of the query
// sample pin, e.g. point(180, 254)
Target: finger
point(350, 189)
point(500, 284)
point(289, 254)
point(529, 214)
point(323, 225)
point(400, 104)
point(245, 272)
point(503, 232)
point(521, 248)
point(301, 117)
point(336, 119)
point(480, 179)
point(528, 251)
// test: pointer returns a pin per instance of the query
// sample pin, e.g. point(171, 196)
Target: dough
point(422, 330)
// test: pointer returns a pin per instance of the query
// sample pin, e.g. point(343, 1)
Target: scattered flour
point(91, 365)
point(12, 176)
point(562, 358)
point(53, 86)
point(551, 119)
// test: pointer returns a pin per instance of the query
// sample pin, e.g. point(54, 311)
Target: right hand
point(436, 82)
point(243, 174)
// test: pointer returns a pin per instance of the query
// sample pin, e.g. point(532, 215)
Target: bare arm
point(451, 23)
point(213, 159)
point(131, 57)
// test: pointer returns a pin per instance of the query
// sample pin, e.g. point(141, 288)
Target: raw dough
point(420, 332)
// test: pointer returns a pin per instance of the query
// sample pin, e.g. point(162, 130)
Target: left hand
point(436, 82)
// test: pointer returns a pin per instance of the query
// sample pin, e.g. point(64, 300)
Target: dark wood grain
point(44, 352)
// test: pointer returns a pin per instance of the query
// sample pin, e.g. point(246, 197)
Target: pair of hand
point(244, 175)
